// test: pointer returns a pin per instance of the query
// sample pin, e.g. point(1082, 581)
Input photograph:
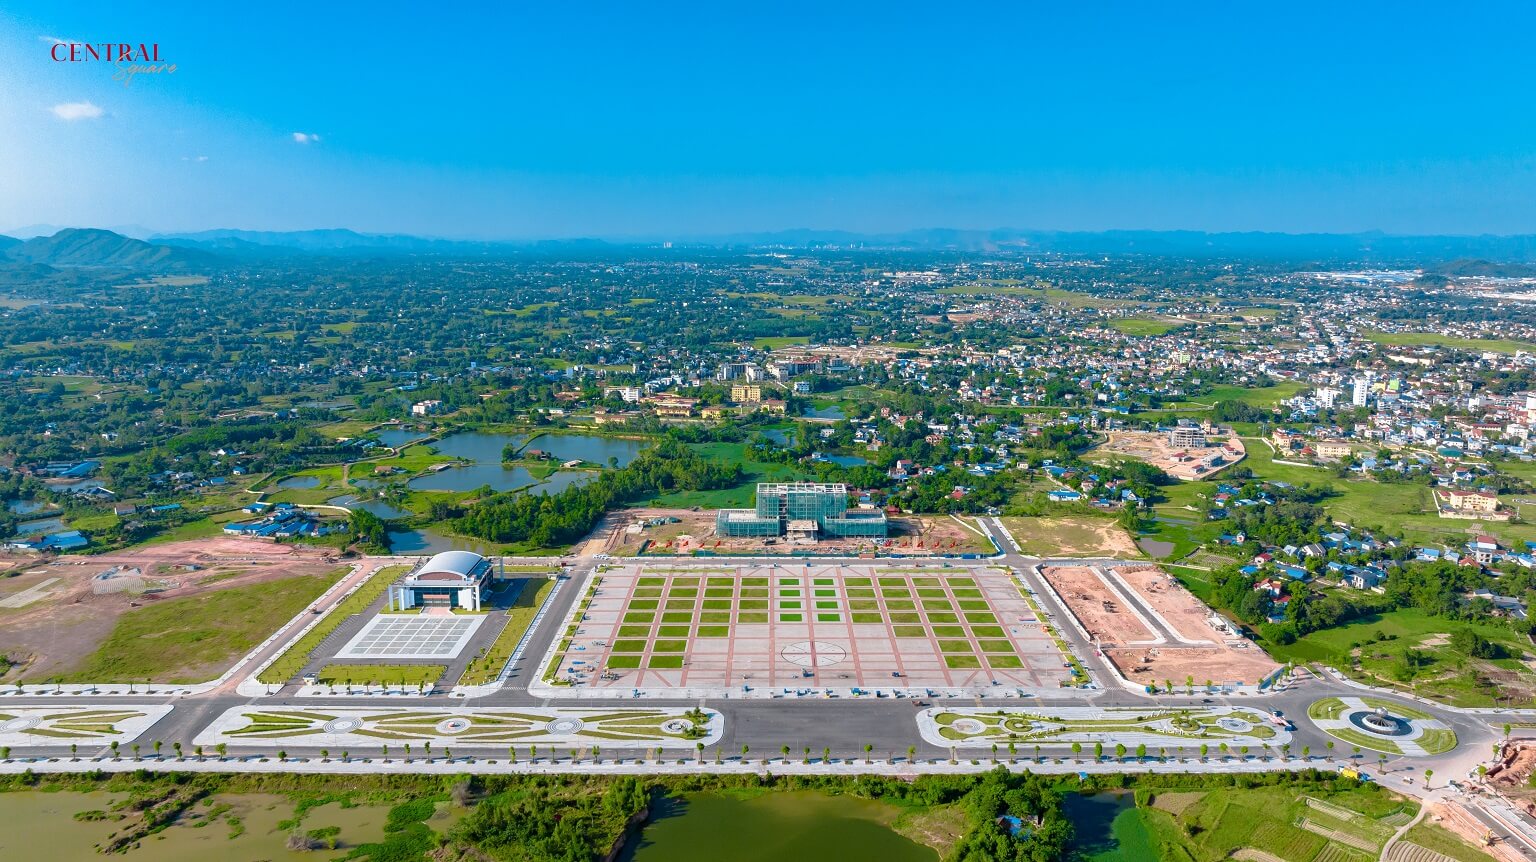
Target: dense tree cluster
point(549, 520)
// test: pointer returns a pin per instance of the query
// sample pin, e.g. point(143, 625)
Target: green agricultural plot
point(1432, 339)
point(408, 675)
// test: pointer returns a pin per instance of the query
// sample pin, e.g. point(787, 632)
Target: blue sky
point(624, 119)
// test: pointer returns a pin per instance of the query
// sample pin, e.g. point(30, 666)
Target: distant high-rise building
point(1362, 391)
point(1327, 397)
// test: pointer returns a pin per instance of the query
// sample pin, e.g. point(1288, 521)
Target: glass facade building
point(803, 503)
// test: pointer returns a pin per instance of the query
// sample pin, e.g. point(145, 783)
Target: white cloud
point(52, 40)
point(76, 111)
point(305, 138)
point(194, 158)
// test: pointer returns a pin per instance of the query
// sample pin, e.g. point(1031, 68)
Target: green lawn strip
point(1437, 740)
point(960, 662)
point(1364, 740)
point(387, 674)
point(519, 617)
point(666, 661)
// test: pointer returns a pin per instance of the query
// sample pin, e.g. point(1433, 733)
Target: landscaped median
point(633, 727)
point(1221, 727)
point(485, 669)
point(291, 663)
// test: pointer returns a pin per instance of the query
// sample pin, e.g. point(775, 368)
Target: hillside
point(88, 247)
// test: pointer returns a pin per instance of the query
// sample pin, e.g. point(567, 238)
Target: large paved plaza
point(788, 627)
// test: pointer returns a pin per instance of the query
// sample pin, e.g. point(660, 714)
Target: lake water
point(299, 483)
point(779, 436)
point(484, 451)
point(381, 508)
point(595, 450)
point(1109, 828)
point(41, 826)
point(847, 460)
point(773, 827)
point(26, 507)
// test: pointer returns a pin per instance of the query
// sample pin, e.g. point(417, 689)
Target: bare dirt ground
point(1168, 597)
point(1186, 464)
point(695, 531)
point(1125, 637)
point(71, 619)
point(1245, 664)
point(1100, 611)
point(1453, 817)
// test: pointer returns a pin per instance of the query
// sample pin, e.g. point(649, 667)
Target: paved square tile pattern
point(411, 636)
point(798, 626)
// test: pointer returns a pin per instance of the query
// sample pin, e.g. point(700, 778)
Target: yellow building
point(746, 394)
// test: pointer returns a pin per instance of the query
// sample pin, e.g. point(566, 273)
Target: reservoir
point(484, 452)
point(773, 827)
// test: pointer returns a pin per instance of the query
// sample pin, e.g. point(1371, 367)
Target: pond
point(43, 526)
point(26, 507)
point(834, 413)
point(41, 826)
point(1156, 548)
point(847, 460)
point(395, 438)
point(1109, 828)
point(381, 508)
point(779, 436)
point(772, 827)
point(299, 483)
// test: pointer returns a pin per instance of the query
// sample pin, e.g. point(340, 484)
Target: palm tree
point(994, 752)
point(699, 747)
point(325, 755)
point(1141, 752)
point(177, 746)
point(1098, 751)
point(807, 754)
point(1205, 751)
point(198, 751)
point(826, 755)
point(911, 753)
point(1428, 774)
point(1120, 752)
point(282, 756)
point(867, 749)
point(597, 754)
point(511, 754)
point(221, 748)
point(1306, 752)
point(384, 751)
point(345, 757)
point(5, 752)
point(1224, 750)
point(156, 746)
point(73, 749)
point(1330, 747)
point(784, 752)
point(135, 748)
point(407, 751)
point(1077, 750)
point(744, 750)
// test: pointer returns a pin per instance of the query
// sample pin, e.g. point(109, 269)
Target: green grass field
point(1433, 339)
point(192, 639)
point(1144, 326)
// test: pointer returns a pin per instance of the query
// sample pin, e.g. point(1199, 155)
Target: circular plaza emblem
point(451, 726)
point(342, 725)
point(564, 727)
point(813, 654)
point(17, 725)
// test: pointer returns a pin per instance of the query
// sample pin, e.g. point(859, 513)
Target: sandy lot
point(1100, 611)
point(1243, 663)
point(1185, 464)
point(1081, 537)
point(73, 614)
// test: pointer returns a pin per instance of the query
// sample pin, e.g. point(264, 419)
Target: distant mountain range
point(1447, 255)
